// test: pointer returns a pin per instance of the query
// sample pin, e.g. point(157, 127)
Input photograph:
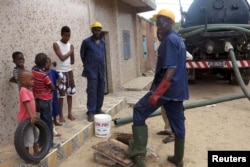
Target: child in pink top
point(27, 109)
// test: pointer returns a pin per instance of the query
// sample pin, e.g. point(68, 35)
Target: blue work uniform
point(171, 54)
point(54, 76)
point(93, 58)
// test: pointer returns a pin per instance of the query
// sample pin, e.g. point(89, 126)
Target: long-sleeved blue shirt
point(93, 58)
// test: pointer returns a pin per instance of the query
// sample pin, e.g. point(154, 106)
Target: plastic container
point(102, 125)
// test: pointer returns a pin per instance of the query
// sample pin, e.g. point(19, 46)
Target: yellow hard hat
point(96, 24)
point(166, 13)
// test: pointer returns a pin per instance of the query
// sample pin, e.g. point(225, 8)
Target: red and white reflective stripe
point(197, 64)
point(207, 64)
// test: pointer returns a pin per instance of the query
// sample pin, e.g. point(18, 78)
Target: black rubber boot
point(138, 144)
point(177, 159)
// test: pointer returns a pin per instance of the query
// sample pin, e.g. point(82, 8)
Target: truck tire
point(245, 74)
point(246, 80)
point(44, 135)
point(191, 75)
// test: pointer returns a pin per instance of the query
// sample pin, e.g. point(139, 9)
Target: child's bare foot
point(70, 117)
point(58, 135)
point(61, 119)
point(58, 124)
point(28, 149)
point(36, 148)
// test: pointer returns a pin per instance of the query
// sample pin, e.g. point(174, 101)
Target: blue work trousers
point(95, 92)
point(45, 109)
point(174, 110)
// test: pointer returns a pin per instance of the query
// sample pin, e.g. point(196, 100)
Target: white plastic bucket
point(102, 125)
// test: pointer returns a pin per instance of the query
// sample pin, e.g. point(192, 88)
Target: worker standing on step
point(170, 89)
point(93, 59)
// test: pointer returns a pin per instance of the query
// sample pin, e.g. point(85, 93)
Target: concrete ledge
point(138, 84)
point(57, 156)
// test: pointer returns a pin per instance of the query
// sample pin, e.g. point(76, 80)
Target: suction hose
point(190, 31)
point(125, 120)
point(213, 28)
point(187, 32)
point(228, 48)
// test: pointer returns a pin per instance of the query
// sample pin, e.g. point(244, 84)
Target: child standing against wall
point(18, 60)
point(27, 110)
point(64, 60)
point(42, 89)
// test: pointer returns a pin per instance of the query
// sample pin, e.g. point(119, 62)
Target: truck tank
point(206, 26)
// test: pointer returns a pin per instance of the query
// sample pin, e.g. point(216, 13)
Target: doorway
point(107, 62)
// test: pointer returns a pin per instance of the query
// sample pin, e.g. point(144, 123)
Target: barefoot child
point(54, 77)
point(27, 109)
point(64, 60)
point(42, 90)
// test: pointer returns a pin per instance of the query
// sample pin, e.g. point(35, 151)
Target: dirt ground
point(223, 126)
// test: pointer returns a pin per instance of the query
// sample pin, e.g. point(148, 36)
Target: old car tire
point(44, 135)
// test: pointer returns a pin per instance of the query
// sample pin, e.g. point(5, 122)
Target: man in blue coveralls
point(169, 89)
point(93, 59)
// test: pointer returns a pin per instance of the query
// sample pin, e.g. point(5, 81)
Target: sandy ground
point(224, 126)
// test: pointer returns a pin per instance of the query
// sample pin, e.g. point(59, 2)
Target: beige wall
point(31, 26)
point(152, 53)
point(127, 22)
point(148, 29)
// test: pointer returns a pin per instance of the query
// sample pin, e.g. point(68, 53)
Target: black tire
point(44, 135)
point(245, 74)
point(191, 82)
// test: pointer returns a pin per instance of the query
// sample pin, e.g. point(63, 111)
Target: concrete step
point(74, 133)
